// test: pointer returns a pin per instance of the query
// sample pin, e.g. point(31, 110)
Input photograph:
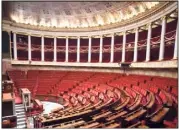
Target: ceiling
point(74, 14)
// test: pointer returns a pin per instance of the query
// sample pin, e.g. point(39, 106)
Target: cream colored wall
point(164, 72)
point(153, 64)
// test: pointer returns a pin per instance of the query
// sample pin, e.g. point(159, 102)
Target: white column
point(15, 46)
point(135, 44)
point(162, 40)
point(66, 55)
point(112, 48)
point(123, 46)
point(10, 45)
point(148, 42)
point(55, 49)
point(89, 50)
point(78, 50)
point(42, 48)
point(101, 49)
point(29, 47)
point(175, 56)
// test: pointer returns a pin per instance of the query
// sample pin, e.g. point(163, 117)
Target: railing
point(154, 42)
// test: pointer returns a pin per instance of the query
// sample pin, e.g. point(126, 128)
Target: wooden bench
point(159, 115)
point(151, 101)
point(104, 104)
point(135, 115)
point(115, 116)
point(135, 125)
point(92, 125)
point(136, 103)
point(143, 126)
point(101, 115)
point(71, 125)
point(123, 104)
point(113, 125)
point(65, 116)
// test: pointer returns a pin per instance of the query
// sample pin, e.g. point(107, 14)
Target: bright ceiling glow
point(107, 17)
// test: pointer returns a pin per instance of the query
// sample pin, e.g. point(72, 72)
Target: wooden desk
point(160, 115)
point(102, 115)
point(136, 104)
point(123, 104)
point(135, 125)
point(92, 125)
point(114, 125)
point(7, 97)
point(137, 114)
point(64, 117)
point(71, 125)
point(151, 102)
point(89, 107)
point(143, 126)
point(65, 110)
point(97, 107)
point(116, 116)
point(136, 99)
point(56, 110)
point(132, 113)
point(85, 106)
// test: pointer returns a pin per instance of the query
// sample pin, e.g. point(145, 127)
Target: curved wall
point(164, 72)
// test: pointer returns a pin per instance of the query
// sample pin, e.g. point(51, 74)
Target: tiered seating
point(16, 74)
point(32, 74)
point(26, 83)
point(104, 100)
point(48, 80)
point(140, 90)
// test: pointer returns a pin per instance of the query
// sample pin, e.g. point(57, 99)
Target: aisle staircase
point(21, 117)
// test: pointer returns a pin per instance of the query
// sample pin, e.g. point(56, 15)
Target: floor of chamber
point(49, 106)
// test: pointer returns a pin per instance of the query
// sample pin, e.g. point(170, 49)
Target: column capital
point(149, 24)
point(164, 17)
point(136, 29)
point(89, 36)
point(124, 32)
point(113, 34)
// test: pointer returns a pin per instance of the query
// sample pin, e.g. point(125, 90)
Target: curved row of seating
point(107, 100)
